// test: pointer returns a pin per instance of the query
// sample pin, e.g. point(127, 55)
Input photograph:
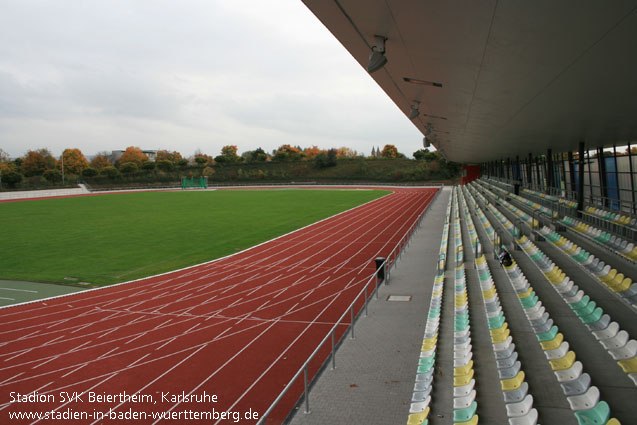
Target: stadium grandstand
point(537, 100)
point(509, 299)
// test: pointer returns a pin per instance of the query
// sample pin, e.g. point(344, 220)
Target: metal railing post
point(352, 322)
point(307, 400)
point(333, 351)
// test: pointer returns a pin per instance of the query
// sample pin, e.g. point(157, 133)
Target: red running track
point(238, 328)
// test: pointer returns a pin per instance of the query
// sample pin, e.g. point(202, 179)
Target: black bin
point(380, 267)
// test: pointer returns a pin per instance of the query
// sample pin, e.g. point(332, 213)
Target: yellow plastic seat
point(501, 337)
point(628, 365)
point(513, 383)
point(463, 370)
point(610, 276)
point(489, 293)
point(554, 343)
point(418, 418)
point(613, 421)
point(624, 285)
point(564, 362)
point(429, 343)
point(461, 381)
point(526, 293)
point(616, 281)
point(499, 331)
point(480, 259)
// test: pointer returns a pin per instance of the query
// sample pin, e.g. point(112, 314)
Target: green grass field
point(120, 237)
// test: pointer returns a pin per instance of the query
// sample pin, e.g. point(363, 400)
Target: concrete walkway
point(374, 376)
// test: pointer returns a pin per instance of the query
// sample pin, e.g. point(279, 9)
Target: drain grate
point(399, 298)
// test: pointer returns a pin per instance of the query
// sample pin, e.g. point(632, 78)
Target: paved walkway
point(374, 377)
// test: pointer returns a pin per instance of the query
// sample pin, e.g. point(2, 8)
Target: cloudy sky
point(184, 75)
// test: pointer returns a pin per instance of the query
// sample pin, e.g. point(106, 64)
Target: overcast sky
point(184, 75)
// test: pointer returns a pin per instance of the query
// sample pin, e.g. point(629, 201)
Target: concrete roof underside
point(517, 77)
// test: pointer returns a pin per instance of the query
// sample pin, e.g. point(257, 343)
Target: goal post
point(194, 182)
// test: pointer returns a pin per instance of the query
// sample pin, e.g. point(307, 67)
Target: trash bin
point(380, 267)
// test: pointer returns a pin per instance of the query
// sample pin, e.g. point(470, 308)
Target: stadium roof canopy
point(517, 77)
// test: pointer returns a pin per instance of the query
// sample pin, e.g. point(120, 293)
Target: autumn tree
point(311, 152)
point(345, 152)
point(5, 162)
point(73, 160)
point(133, 154)
point(35, 163)
point(391, 151)
point(165, 155)
point(202, 159)
point(228, 155)
point(288, 153)
point(100, 162)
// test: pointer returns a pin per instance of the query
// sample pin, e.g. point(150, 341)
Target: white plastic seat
point(464, 389)
point(461, 334)
point(569, 374)
point(533, 310)
point(462, 347)
point(585, 401)
point(565, 286)
point(509, 372)
point(619, 340)
point(503, 354)
point(520, 408)
point(423, 386)
point(609, 332)
point(420, 396)
point(576, 298)
point(494, 313)
point(627, 351)
point(536, 313)
point(514, 396)
point(558, 353)
point(576, 386)
point(420, 406)
point(462, 361)
point(428, 353)
point(503, 345)
point(464, 401)
point(508, 361)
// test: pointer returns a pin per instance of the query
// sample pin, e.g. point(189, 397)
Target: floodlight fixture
point(377, 58)
point(414, 110)
point(425, 142)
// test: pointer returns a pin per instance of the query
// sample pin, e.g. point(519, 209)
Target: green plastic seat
point(581, 303)
point(586, 310)
point(497, 321)
point(530, 301)
point(599, 414)
point(547, 336)
point(593, 317)
point(463, 415)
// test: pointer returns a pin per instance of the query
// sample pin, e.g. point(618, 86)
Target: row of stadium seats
point(618, 344)
point(515, 390)
point(583, 398)
point(587, 312)
point(421, 397)
point(617, 244)
point(464, 393)
point(613, 217)
point(614, 280)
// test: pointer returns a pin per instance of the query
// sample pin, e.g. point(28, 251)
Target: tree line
point(41, 167)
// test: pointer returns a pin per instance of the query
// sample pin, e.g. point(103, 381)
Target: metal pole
point(333, 351)
point(619, 192)
point(307, 400)
point(632, 177)
point(365, 300)
point(351, 310)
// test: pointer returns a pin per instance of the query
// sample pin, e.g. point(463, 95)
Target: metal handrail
point(386, 265)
